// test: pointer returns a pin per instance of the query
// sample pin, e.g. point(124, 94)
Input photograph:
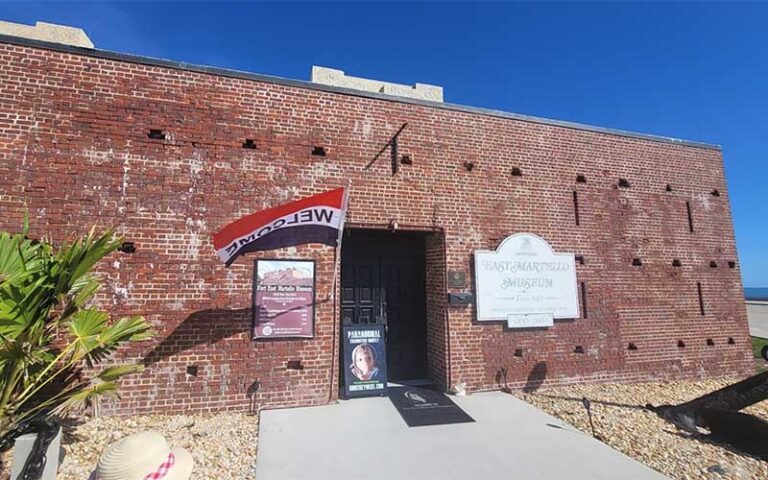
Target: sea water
point(756, 293)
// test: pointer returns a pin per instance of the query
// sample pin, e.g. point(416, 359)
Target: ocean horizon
point(756, 293)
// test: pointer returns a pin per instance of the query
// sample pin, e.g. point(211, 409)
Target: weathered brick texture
point(74, 151)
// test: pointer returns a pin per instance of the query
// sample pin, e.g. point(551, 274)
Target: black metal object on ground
point(46, 429)
point(718, 412)
point(421, 406)
point(588, 405)
point(745, 432)
point(734, 397)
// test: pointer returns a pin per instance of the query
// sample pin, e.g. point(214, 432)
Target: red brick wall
point(437, 317)
point(74, 151)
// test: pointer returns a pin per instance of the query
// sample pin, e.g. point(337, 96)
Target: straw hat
point(143, 456)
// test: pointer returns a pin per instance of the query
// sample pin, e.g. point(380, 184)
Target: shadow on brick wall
point(536, 378)
point(205, 327)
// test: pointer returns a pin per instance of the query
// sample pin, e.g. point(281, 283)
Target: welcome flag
point(315, 219)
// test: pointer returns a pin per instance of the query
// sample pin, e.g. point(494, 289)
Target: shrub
point(52, 337)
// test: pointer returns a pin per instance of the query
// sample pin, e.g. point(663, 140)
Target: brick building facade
point(76, 150)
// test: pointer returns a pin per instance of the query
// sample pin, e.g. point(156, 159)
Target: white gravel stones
point(623, 424)
point(223, 445)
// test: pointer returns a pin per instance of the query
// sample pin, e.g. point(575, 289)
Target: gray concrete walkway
point(367, 439)
point(757, 312)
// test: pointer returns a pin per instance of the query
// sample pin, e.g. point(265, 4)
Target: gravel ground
point(623, 424)
point(223, 445)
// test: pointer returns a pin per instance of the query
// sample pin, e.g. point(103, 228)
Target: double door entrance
point(383, 282)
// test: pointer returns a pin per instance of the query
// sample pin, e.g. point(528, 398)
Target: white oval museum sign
point(525, 283)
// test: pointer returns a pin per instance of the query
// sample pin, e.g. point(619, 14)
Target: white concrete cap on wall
point(337, 78)
point(47, 32)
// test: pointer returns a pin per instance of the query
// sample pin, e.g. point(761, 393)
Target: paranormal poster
point(365, 361)
point(284, 298)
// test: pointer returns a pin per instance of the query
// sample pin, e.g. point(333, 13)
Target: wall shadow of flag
point(204, 327)
point(207, 327)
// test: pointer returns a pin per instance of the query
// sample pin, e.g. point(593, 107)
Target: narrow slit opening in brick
point(583, 299)
point(581, 179)
point(636, 262)
point(516, 172)
point(731, 264)
point(156, 134)
point(731, 341)
point(576, 208)
point(676, 263)
point(715, 193)
point(701, 298)
point(623, 183)
point(713, 264)
point(680, 344)
point(318, 151)
point(631, 346)
point(249, 144)
point(578, 349)
point(710, 342)
point(690, 216)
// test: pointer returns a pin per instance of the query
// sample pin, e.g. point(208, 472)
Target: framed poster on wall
point(283, 298)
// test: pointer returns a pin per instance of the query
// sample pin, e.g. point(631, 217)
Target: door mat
point(421, 406)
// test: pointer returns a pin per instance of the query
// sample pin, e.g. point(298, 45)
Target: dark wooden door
point(361, 292)
point(383, 281)
point(403, 294)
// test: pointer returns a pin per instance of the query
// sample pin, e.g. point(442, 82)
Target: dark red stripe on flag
point(290, 237)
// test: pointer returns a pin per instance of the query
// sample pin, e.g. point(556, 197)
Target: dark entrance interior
point(383, 281)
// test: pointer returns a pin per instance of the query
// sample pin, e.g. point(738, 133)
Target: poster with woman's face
point(365, 362)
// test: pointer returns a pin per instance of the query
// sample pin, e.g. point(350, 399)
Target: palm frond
point(128, 329)
point(81, 292)
point(110, 374)
point(86, 327)
point(86, 396)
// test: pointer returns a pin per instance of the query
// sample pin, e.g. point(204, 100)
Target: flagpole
point(344, 205)
point(336, 262)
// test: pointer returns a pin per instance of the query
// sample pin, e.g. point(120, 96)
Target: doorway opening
point(383, 281)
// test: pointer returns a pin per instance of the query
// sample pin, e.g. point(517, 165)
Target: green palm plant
point(52, 337)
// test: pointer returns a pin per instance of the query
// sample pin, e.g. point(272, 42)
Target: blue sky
point(693, 71)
